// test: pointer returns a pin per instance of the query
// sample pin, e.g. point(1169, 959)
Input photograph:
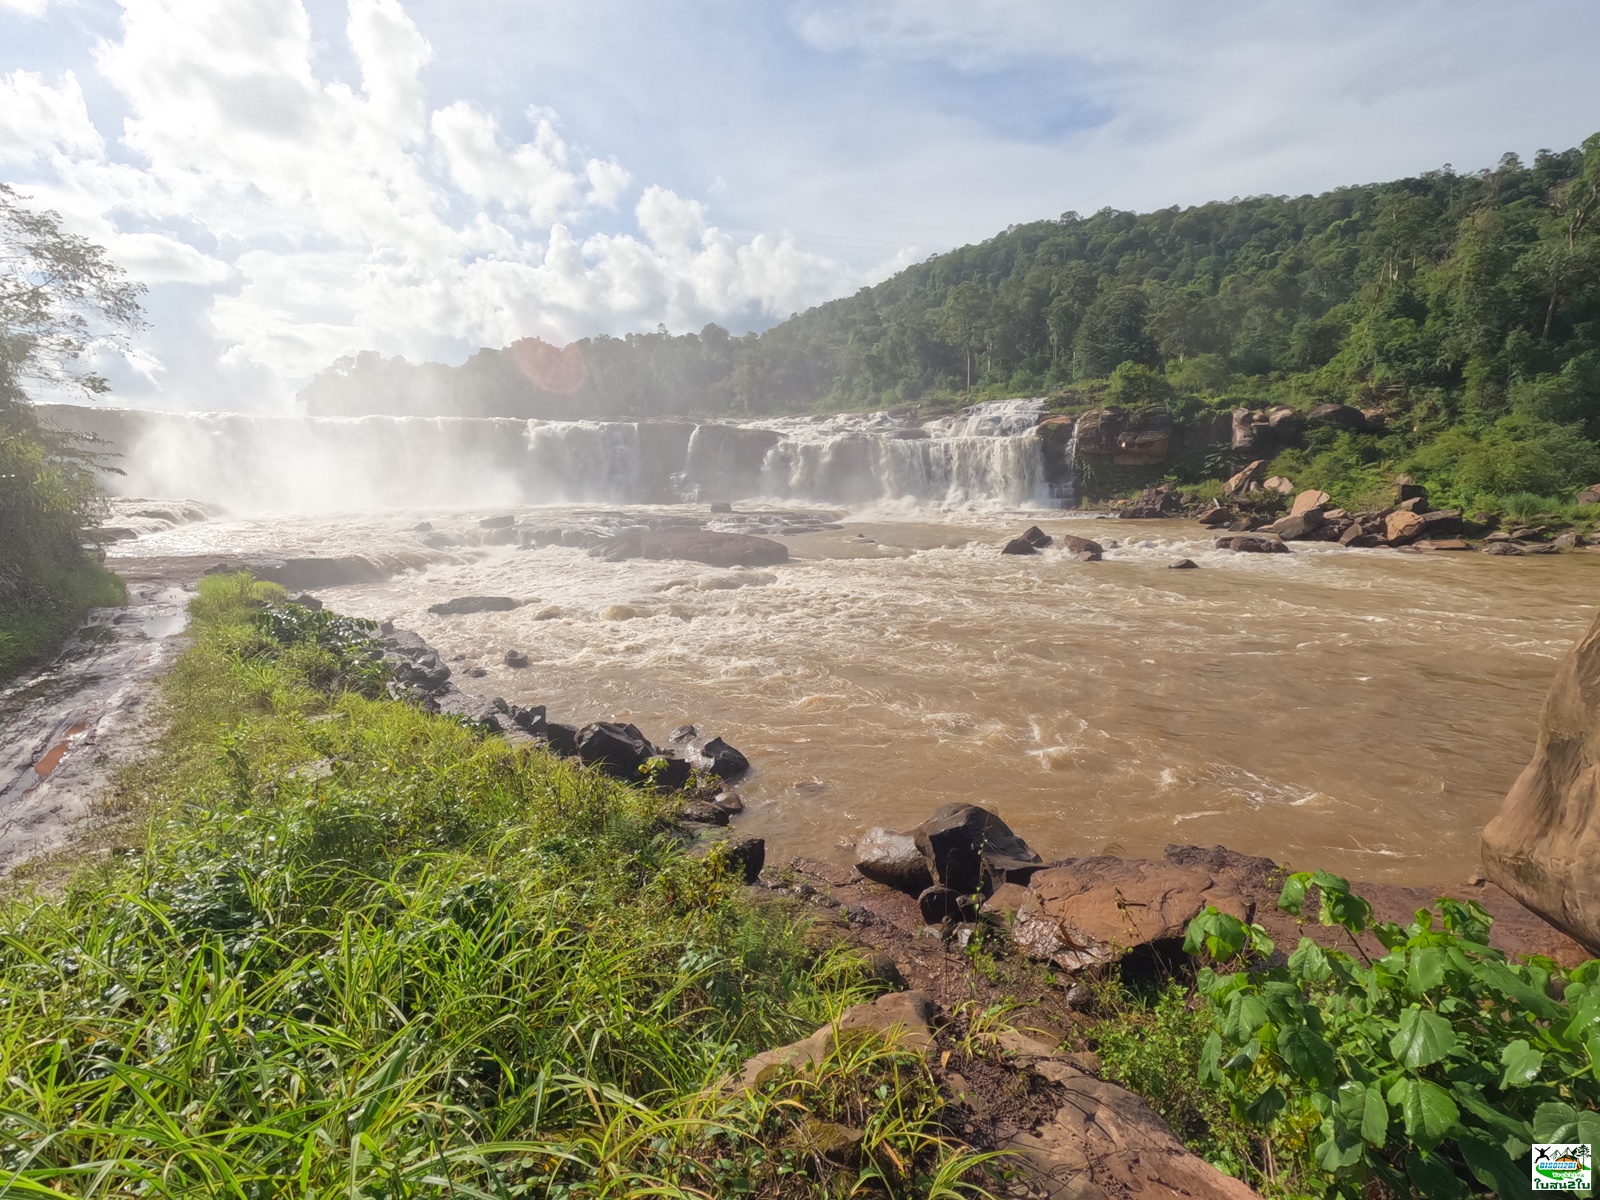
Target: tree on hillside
point(960, 320)
point(1113, 332)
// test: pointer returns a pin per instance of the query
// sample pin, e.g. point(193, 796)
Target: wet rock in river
point(1183, 564)
point(516, 659)
point(1252, 544)
point(747, 856)
point(1019, 545)
point(463, 605)
point(1082, 548)
point(1038, 537)
point(703, 812)
point(716, 756)
point(1510, 549)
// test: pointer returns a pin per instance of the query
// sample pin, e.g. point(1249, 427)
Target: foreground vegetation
point(366, 951)
point(1427, 1071)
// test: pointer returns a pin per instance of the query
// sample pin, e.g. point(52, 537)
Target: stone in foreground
point(1096, 910)
point(968, 848)
point(893, 859)
point(1544, 845)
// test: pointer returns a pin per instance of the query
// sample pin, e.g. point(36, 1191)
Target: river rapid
point(1363, 711)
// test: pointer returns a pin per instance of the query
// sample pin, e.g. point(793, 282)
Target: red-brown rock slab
point(1095, 910)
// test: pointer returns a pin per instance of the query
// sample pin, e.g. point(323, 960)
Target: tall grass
point(369, 952)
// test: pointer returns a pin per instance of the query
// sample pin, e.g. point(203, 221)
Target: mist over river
point(1363, 711)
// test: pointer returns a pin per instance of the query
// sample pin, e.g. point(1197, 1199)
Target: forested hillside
point(1463, 304)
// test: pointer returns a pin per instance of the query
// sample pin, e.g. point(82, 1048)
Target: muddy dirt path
point(65, 728)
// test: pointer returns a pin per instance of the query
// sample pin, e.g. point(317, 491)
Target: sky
point(297, 180)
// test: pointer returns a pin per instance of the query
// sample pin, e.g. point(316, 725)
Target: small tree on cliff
point(60, 297)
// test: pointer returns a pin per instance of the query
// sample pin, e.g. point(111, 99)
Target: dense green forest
point(1466, 305)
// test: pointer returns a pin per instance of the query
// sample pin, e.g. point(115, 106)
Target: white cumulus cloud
point(309, 217)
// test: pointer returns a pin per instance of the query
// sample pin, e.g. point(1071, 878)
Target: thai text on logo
point(1562, 1167)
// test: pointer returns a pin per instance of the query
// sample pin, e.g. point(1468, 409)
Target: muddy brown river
point(1362, 711)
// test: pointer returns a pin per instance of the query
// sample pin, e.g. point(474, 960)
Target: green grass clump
point(60, 597)
point(370, 952)
point(1152, 1044)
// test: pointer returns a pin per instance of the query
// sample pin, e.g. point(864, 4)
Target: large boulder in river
point(893, 859)
point(970, 848)
point(717, 757)
point(1093, 911)
point(1082, 546)
point(1544, 845)
point(472, 604)
point(1252, 544)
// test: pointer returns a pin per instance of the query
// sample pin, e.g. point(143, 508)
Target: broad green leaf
point(1466, 919)
point(1428, 1111)
point(1306, 1055)
point(1266, 1106)
point(1555, 1121)
point(1339, 1148)
point(1309, 963)
point(1522, 1063)
point(1247, 1012)
point(1210, 1053)
point(1432, 1176)
point(1425, 1037)
point(1510, 1130)
point(1293, 897)
point(1505, 981)
point(1246, 1057)
point(1492, 1165)
point(1362, 1107)
point(1427, 969)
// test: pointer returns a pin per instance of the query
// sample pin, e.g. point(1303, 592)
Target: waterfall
point(985, 456)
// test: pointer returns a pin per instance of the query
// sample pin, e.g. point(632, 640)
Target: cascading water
point(984, 457)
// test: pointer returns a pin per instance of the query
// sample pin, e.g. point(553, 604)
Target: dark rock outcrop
point(1019, 545)
point(969, 848)
point(1252, 544)
point(717, 757)
point(617, 748)
point(1082, 547)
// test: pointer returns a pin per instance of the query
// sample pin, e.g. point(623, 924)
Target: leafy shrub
point(1426, 1072)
